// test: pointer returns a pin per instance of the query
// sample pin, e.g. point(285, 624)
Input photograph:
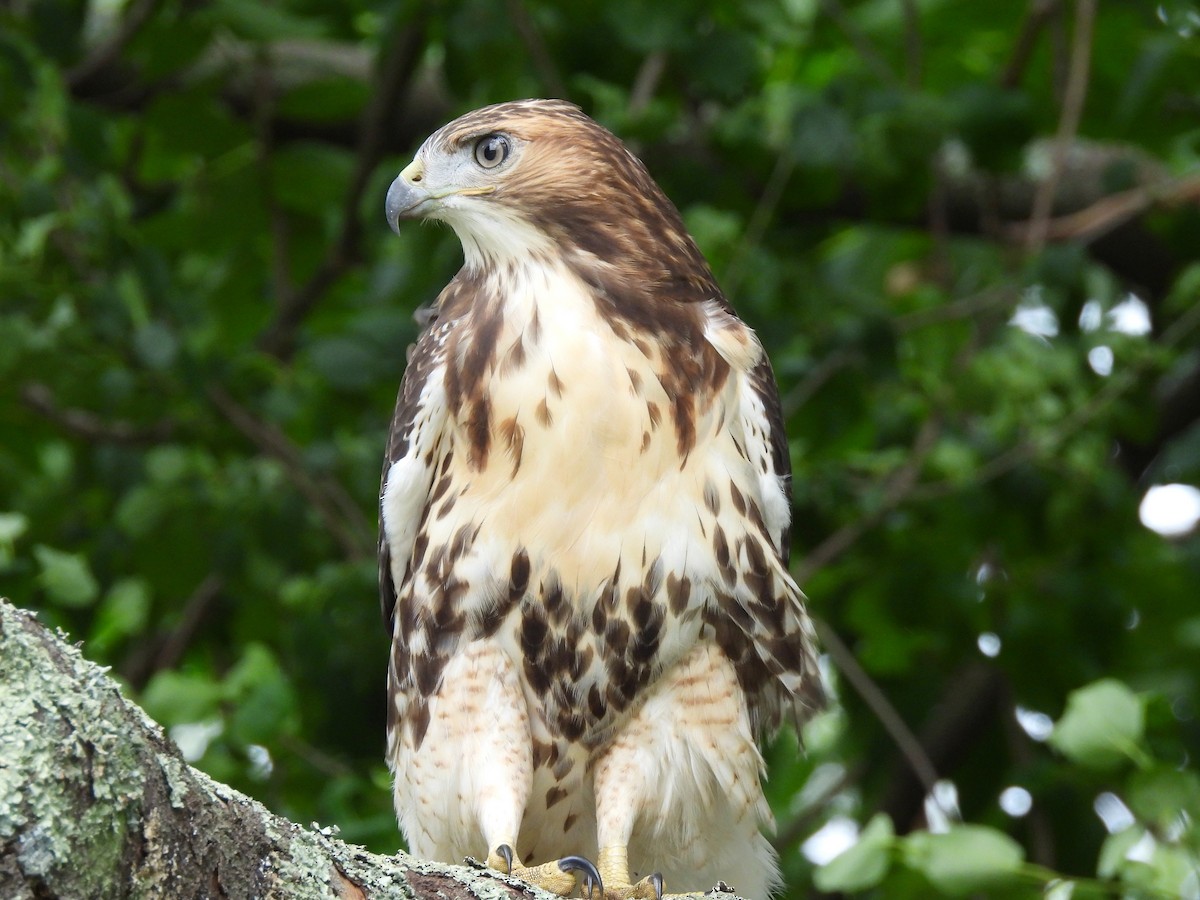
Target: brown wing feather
point(424, 359)
point(762, 378)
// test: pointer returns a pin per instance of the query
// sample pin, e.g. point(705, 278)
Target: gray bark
point(96, 802)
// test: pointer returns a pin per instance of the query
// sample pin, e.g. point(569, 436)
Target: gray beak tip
point(399, 198)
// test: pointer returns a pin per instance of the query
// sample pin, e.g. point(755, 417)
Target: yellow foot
point(560, 877)
point(614, 869)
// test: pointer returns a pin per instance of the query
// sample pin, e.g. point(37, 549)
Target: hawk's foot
point(562, 876)
point(614, 869)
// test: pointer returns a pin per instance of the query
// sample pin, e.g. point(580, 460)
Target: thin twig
point(87, 425)
point(892, 722)
point(262, 113)
point(964, 308)
point(194, 612)
point(394, 74)
point(1068, 122)
point(1041, 835)
point(542, 60)
point(646, 82)
point(107, 51)
point(942, 260)
point(913, 51)
point(339, 512)
point(872, 57)
point(817, 377)
point(760, 219)
point(1035, 20)
point(1110, 212)
point(895, 489)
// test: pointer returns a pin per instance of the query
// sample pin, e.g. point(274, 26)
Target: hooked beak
point(406, 196)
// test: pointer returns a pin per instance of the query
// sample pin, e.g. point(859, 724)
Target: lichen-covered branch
point(96, 802)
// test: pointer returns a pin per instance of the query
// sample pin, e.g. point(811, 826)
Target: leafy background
point(967, 233)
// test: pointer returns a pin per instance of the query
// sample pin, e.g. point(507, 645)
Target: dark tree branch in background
point(826, 367)
point(874, 60)
point(166, 651)
point(1068, 123)
point(760, 219)
point(913, 50)
point(85, 425)
point(109, 50)
point(1109, 213)
point(543, 60)
point(337, 509)
point(956, 725)
point(1042, 848)
point(918, 761)
point(893, 492)
point(1035, 20)
point(395, 73)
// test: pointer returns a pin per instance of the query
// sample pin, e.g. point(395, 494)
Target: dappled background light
point(1172, 510)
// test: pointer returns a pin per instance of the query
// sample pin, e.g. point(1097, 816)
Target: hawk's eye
point(491, 150)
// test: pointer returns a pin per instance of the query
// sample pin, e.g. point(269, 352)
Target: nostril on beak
point(416, 178)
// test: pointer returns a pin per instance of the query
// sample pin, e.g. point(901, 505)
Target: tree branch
point(336, 508)
point(1068, 123)
point(87, 425)
point(1039, 13)
point(395, 73)
point(895, 489)
point(857, 37)
point(106, 52)
point(906, 742)
point(543, 60)
point(913, 49)
point(96, 801)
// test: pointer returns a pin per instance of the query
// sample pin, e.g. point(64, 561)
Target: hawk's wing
point(417, 427)
point(762, 423)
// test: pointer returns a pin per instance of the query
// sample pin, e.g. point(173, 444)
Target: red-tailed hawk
point(584, 540)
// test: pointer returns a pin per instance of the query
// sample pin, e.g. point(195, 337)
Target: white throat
point(494, 236)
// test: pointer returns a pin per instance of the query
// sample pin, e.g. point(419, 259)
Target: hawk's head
point(539, 176)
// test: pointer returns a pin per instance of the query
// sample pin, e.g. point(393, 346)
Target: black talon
point(590, 873)
point(657, 880)
point(507, 852)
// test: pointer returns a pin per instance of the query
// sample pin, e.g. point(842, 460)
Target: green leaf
point(1059, 889)
point(176, 698)
point(264, 22)
point(12, 526)
point(1114, 850)
point(123, 612)
point(965, 859)
point(1161, 795)
point(66, 577)
point(862, 866)
point(1102, 725)
point(264, 703)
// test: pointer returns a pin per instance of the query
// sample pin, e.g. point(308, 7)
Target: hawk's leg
point(677, 790)
point(468, 781)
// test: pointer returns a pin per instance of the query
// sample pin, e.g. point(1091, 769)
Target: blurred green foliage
point(203, 320)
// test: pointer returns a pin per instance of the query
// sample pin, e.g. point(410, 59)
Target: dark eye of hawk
point(491, 150)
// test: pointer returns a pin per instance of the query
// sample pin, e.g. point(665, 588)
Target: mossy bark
point(96, 802)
